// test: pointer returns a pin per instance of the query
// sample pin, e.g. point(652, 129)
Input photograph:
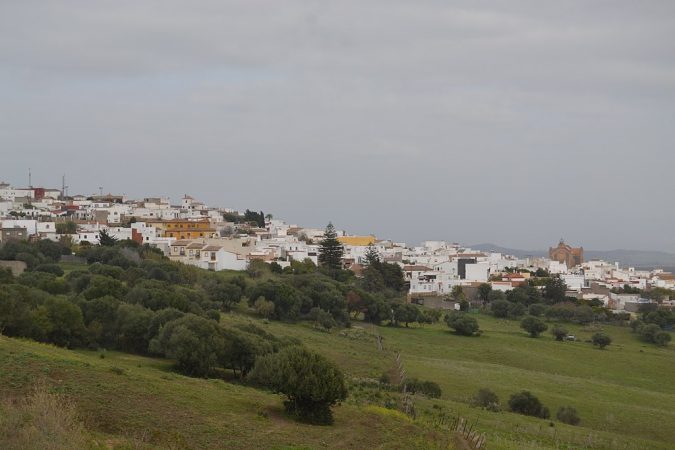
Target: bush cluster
point(462, 323)
point(651, 332)
point(430, 389)
point(545, 297)
point(528, 404)
point(525, 403)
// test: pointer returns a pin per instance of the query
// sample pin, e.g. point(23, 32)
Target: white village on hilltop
point(216, 239)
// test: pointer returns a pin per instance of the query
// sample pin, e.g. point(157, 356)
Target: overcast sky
point(514, 122)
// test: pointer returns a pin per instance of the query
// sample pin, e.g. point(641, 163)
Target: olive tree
point(533, 325)
point(462, 324)
point(601, 340)
point(559, 332)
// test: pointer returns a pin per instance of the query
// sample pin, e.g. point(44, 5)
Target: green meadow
point(624, 394)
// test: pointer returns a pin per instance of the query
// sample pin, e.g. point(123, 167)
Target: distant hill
point(634, 258)
point(508, 251)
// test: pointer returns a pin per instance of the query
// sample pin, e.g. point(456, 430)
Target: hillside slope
point(128, 401)
point(623, 395)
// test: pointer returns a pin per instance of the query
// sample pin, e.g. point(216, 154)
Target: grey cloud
point(514, 122)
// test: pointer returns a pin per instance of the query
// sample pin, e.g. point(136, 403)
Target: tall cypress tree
point(372, 256)
point(330, 249)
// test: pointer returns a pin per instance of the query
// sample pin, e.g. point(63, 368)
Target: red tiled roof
point(416, 268)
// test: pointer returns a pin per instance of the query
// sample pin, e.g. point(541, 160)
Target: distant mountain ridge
point(646, 259)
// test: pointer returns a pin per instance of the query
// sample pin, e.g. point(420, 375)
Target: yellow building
point(184, 229)
point(357, 241)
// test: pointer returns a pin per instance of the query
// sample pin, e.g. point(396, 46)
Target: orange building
point(184, 229)
point(357, 241)
point(563, 253)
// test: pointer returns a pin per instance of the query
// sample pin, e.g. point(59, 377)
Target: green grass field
point(128, 401)
point(624, 394)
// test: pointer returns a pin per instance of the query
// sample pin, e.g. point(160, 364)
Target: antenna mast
point(64, 188)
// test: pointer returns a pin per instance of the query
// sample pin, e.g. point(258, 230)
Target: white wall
point(574, 282)
point(477, 272)
point(46, 227)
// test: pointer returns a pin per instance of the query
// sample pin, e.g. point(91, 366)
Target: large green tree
point(311, 383)
point(196, 343)
point(554, 290)
point(330, 250)
point(484, 290)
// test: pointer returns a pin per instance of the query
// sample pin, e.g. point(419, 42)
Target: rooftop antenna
point(30, 179)
point(63, 187)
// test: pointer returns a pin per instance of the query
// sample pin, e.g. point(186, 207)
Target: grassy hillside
point(128, 401)
point(624, 394)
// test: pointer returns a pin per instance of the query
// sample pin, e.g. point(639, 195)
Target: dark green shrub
point(321, 318)
point(568, 415)
point(50, 268)
point(462, 324)
point(500, 308)
point(194, 342)
point(528, 404)
point(533, 326)
point(516, 310)
point(536, 309)
point(240, 350)
point(428, 388)
point(311, 383)
point(487, 399)
point(662, 338)
point(559, 332)
point(601, 340)
point(6, 275)
point(653, 333)
point(636, 325)
point(115, 272)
